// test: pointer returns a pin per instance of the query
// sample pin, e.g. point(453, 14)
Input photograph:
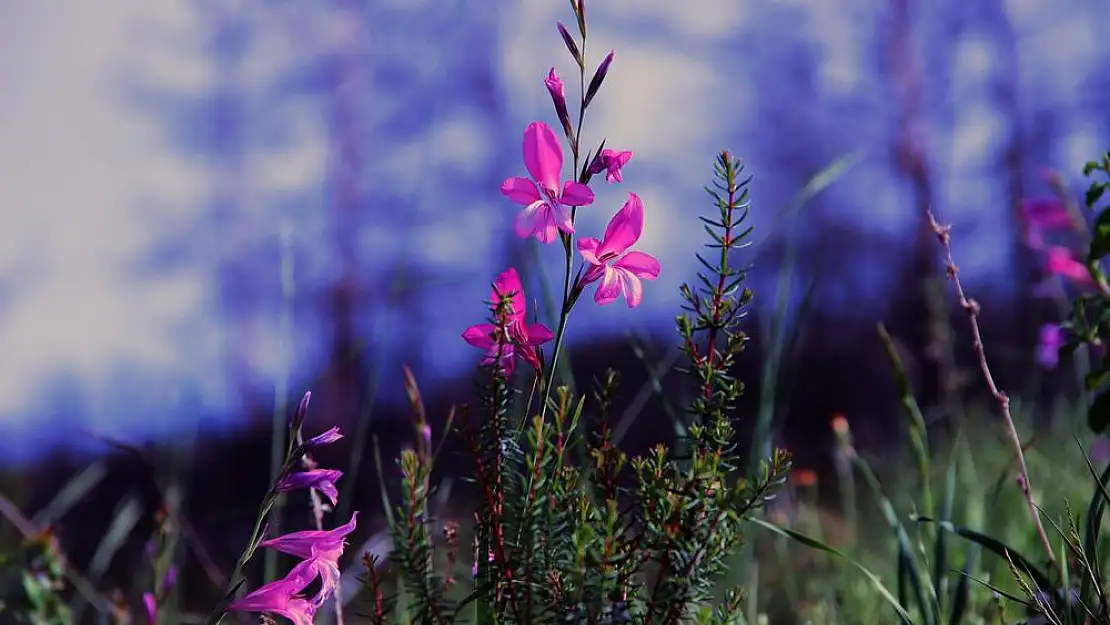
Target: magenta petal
point(278, 597)
point(639, 264)
point(587, 246)
point(543, 156)
point(549, 230)
point(538, 334)
point(324, 438)
point(151, 605)
point(313, 543)
point(323, 480)
point(480, 335)
point(624, 228)
point(531, 220)
point(576, 194)
point(631, 287)
point(609, 289)
point(561, 216)
point(594, 273)
point(509, 283)
point(521, 191)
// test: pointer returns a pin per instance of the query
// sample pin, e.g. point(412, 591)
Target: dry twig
point(971, 307)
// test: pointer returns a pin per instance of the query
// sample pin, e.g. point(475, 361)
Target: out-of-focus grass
point(801, 585)
point(804, 585)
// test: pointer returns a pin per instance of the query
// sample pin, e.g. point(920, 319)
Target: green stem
point(568, 248)
point(560, 332)
point(252, 545)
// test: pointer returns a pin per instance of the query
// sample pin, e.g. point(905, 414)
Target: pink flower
point(545, 206)
point(524, 338)
point(324, 438)
point(1048, 347)
point(151, 605)
point(322, 480)
point(282, 596)
point(623, 276)
point(322, 548)
point(1046, 213)
point(555, 87)
point(1060, 261)
point(611, 162)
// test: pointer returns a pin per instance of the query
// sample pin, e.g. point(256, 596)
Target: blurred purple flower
point(323, 549)
point(151, 605)
point(1046, 213)
point(1048, 348)
point(1100, 450)
point(281, 597)
point(322, 480)
point(1061, 261)
point(326, 438)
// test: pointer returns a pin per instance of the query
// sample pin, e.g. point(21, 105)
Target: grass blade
point(930, 610)
point(996, 547)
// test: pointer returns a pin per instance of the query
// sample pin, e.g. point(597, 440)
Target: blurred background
point(212, 206)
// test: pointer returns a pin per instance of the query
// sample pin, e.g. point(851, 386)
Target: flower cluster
point(549, 204)
point(319, 550)
point(1046, 219)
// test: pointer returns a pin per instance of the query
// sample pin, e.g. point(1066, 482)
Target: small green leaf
point(1095, 378)
point(1094, 193)
point(1100, 239)
point(1098, 414)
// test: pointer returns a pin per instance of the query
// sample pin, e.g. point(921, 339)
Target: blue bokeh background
point(199, 198)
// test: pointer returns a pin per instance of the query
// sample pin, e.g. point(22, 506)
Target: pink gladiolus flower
point(322, 548)
point(545, 206)
point(322, 480)
point(324, 438)
point(611, 162)
point(282, 597)
point(524, 338)
point(1060, 261)
point(623, 276)
point(1048, 348)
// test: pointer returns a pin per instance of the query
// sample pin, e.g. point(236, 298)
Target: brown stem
point(971, 307)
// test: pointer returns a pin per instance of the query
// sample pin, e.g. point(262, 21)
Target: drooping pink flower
point(1048, 347)
point(545, 205)
point(322, 480)
point(611, 162)
point(1061, 262)
point(322, 548)
point(623, 275)
point(282, 597)
point(324, 438)
point(523, 339)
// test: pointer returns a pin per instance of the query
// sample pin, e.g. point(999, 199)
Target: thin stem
point(971, 307)
point(568, 248)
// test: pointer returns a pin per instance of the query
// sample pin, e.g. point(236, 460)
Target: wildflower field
point(529, 503)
